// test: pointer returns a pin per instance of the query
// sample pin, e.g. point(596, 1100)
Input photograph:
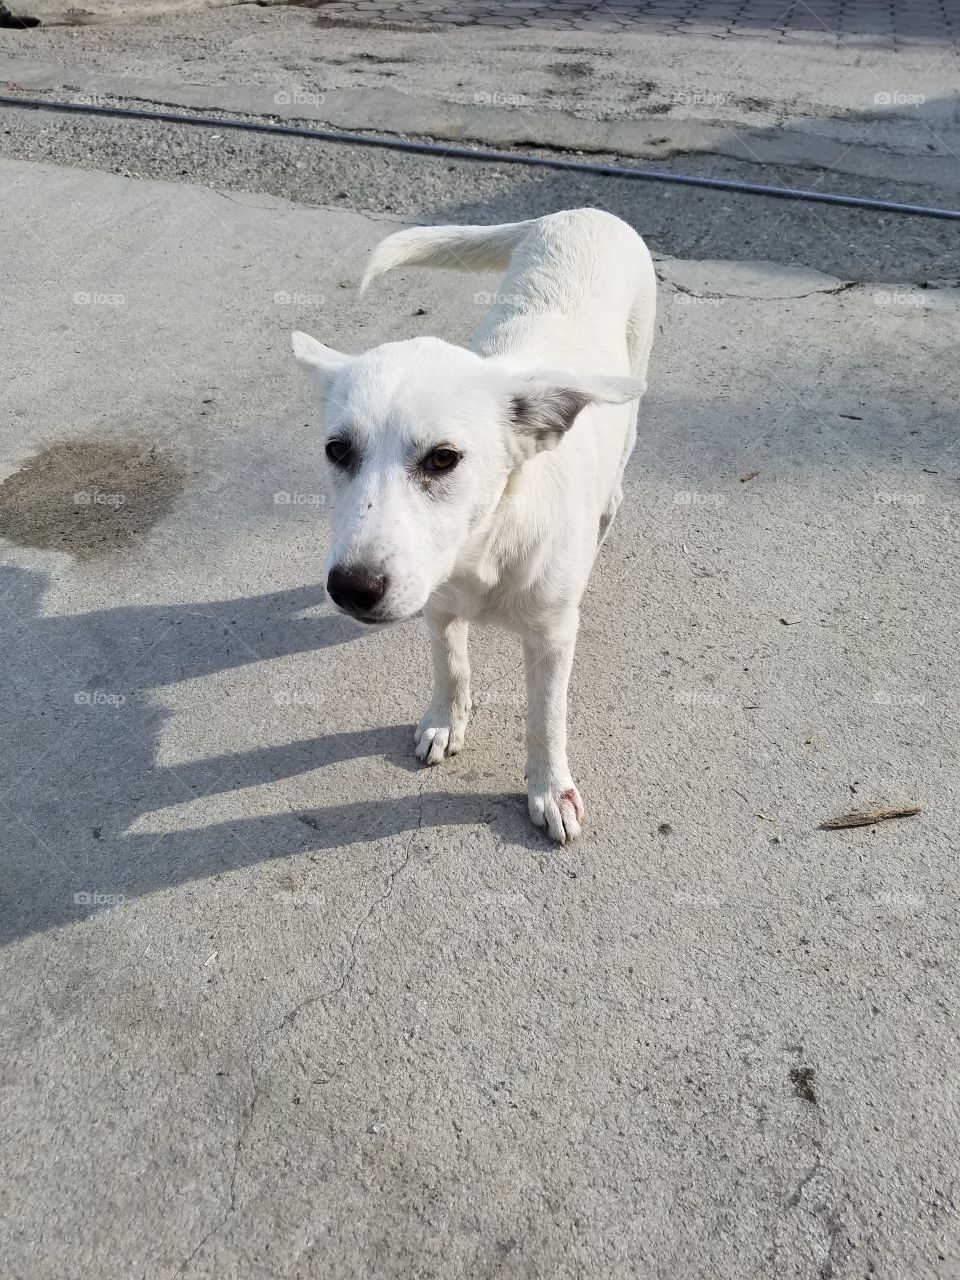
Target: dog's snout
point(357, 590)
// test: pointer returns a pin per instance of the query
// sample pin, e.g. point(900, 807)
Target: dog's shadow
point(82, 764)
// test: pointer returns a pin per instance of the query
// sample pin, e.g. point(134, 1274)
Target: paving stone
point(866, 24)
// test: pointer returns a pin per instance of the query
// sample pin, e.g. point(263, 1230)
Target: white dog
point(477, 485)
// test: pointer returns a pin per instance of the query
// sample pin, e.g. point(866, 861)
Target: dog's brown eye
point(338, 451)
point(441, 460)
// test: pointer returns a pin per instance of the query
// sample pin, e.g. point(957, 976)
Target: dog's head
point(420, 440)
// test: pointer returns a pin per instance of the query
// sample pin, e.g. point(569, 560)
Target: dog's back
point(579, 283)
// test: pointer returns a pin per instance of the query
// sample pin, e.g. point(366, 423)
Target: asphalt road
point(276, 1002)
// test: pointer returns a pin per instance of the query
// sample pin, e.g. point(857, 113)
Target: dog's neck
point(493, 543)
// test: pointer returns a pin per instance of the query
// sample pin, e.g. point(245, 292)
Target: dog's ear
point(544, 403)
point(322, 363)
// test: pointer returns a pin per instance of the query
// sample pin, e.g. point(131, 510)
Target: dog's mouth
point(373, 617)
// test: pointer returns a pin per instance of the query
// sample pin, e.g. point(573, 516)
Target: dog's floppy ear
point(322, 363)
point(544, 403)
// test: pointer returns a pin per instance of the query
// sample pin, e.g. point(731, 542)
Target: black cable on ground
point(481, 153)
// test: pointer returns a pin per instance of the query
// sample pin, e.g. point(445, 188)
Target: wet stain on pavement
point(90, 498)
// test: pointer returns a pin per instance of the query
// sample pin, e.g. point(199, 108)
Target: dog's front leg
point(553, 798)
point(443, 725)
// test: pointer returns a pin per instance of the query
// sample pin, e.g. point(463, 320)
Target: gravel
point(677, 221)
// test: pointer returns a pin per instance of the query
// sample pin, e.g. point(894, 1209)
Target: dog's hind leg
point(606, 519)
point(443, 725)
point(641, 323)
point(613, 502)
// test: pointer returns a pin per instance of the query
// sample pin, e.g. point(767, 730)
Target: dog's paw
point(441, 732)
point(557, 806)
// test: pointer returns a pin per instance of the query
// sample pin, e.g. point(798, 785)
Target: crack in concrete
point(288, 1020)
point(291, 1016)
point(794, 1198)
point(837, 1236)
point(842, 287)
point(232, 1189)
point(838, 1243)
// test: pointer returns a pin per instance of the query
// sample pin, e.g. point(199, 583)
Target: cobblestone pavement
point(887, 24)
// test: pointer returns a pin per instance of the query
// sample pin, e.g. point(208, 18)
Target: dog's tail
point(466, 248)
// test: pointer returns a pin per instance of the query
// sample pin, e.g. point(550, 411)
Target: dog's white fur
point(541, 412)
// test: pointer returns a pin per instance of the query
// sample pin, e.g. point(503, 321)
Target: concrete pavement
point(277, 1003)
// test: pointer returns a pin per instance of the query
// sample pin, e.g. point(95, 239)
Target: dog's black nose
point(356, 589)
